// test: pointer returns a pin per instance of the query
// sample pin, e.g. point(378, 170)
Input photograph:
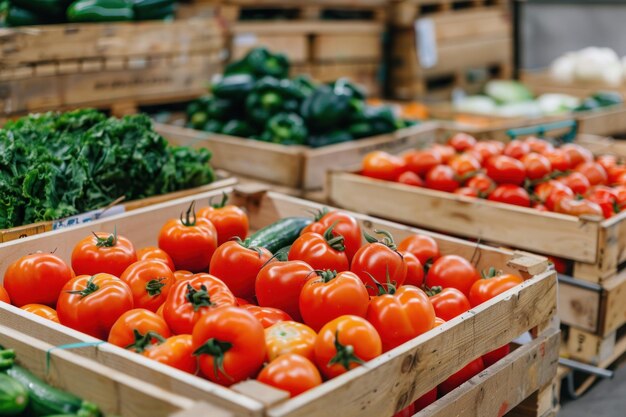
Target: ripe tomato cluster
point(529, 173)
point(223, 310)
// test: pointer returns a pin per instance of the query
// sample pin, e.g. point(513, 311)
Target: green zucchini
point(280, 234)
point(13, 396)
point(46, 400)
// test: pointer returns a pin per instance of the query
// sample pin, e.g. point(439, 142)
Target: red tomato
point(481, 183)
point(267, 316)
point(495, 355)
point(345, 225)
point(606, 198)
point(4, 295)
point(182, 274)
point(238, 265)
point(442, 178)
point(556, 196)
point(229, 221)
point(425, 400)
point(37, 278)
point(516, 149)
point(539, 206)
point(379, 261)
point(439, 321)
point(594, 172)
point(446, 152)
point(505, 170)
point(399, 316)
point(620, 194)
point(425, 248)
point(406, 412)
point(191, 299)
point(536, 165)
point(383, 166)
point(491, 286)
point(137, 329)
point(150, 282)
point(410, 178)
point(92, 304)
point(542, 191)
point(329, 295)
point(577, 182)
point(606, 161)
point(465, 374)
point(539, 145)
point(152, 252)
point(176, 351)
point(488, 148)
point(292, 373)
point(414, 270)
point(230, 345)
point(448, 303)
point(290, 337)
point(559, 159)
point(577, 154)
point(575, 207)
point(467, 192)
point(462, 142)
point(560, 264)
point(452, 271)
point(42, 311)
point(464, 164)
point(510, 194)
point(615, 172)
point(321, 251)
point(242, 302)
point(420, 162)
point(279, 285)
point(103, 253)
point(190, 241)
point(345, 343)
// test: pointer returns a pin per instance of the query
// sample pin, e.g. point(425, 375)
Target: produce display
point(256, 99)
point(42, 12)
point(507, 98)
point(292, 304)
point(23, 394)
point(532, 172)
point(590, 64)
point(55, 165)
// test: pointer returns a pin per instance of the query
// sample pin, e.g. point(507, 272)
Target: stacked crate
point(440, 45)
point(326, 39)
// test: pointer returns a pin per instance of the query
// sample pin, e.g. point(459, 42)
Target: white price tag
point(426, 42)
point(87, 217)
point(245, 39)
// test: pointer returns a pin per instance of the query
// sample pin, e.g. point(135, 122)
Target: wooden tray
point(382, 386)
point(113, 391)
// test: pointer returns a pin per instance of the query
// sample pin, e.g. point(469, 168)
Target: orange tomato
point(383, 166)
point(103, 253)
point(150, 281)
point(175, 351)
point(230, 221)
point(137, 329)
point(152, 252)
point(267, 316)
point(292, 373)
point(4, 295)
point(289, 337)
point(425, 248)
point(42, 311)
point(491, 286)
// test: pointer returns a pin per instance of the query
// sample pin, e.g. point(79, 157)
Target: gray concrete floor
point(606, 398)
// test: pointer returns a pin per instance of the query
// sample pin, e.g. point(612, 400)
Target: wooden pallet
point(405, 12)
point(223, 180)
point(297, 167)
point(471, 46)
point(398, 375)
point(59, 67)
point(113, 391)
point(240, 10)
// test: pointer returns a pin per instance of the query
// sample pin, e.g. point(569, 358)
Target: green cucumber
point(280, 234)
point(13, 396)
point(46, 400)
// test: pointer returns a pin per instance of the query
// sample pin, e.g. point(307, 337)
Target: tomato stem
point(154, 286)
point(326, 274)
point(198, 298)
point(345, 354)
point(430, 291)
point(90, 288)
point(387, 240)
point(142, 341)
point(246, 244)
point(221, 204)
point(217, 349)
point(190, 216)
point(106, 242)
point(490, 273)
point(335, 242)
point(391, 286)
point(318, 214)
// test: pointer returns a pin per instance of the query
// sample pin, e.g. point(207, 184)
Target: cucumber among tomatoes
point(280, 234)
point(13, 396)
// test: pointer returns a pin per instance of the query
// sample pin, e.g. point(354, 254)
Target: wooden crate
point(380, 387)
point(405, 12)
point(465, 41)
point(298, 167)
point(113, 391)
point(223, 180)
point(59, 67)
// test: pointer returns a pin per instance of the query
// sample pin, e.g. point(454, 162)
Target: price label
point(87, 217)
point(426, 42)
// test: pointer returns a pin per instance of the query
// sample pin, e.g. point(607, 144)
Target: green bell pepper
point(100, 11)
point(271, 96)
point(198, 119)
point(239, 128)
point(286, 129)
point(16, 16)
point(324, 109)
point(259, 62)
point(304, 84)
point(153, 9)
point(588, 104)
point(234, 87)
point(344, 86)
point(330, 138)
point(374, 121)
point(213, 125)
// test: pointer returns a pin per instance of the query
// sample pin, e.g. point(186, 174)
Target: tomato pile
point(210, 301)
point(529, 173)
